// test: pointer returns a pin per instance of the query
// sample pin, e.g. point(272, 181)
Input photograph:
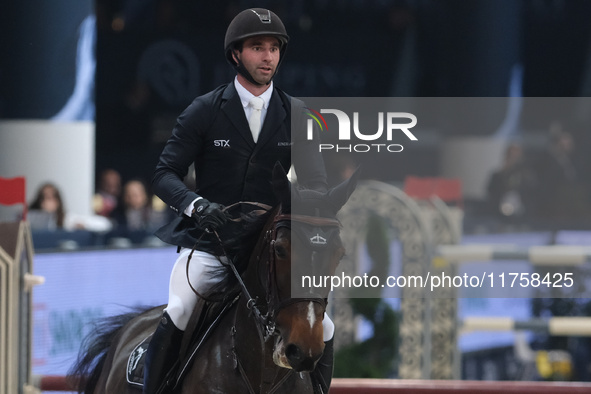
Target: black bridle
point(266, 321)
point(274, 301)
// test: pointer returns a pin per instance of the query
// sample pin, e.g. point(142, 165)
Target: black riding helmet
point(250, 23)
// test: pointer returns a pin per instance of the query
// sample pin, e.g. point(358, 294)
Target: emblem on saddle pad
point(135, 363)
point(135, 357)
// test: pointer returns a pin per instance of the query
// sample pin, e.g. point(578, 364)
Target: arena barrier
point(393, 386)
point(387, 386)
point(549, 255)
point(568, 326)
point(16, 283)
point(51, 383)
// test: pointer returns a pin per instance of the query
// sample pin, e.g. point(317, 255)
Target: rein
point(266, 322)
point(264, 208)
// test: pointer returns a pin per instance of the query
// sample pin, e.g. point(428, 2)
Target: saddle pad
point(135, 363)
point(211, 316)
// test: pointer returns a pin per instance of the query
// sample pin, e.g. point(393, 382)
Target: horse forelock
point(314, 203)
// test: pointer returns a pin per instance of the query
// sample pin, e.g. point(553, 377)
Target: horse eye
point(280, 251)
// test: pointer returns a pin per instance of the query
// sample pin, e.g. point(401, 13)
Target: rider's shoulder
point(289, 101)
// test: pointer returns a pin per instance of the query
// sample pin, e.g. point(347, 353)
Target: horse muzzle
point(294, 357)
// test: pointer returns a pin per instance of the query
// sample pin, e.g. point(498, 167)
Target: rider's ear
point(339, 195)
point(235, 57)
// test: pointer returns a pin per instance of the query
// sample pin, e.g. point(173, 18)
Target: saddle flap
point(204, 322)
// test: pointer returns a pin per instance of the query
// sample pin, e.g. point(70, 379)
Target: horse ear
point(281, 185)
point(339, 195)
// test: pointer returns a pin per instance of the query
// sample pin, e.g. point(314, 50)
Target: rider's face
point(260, 57)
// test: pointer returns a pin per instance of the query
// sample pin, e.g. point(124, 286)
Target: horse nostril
point(298, 360)
point(293, 353)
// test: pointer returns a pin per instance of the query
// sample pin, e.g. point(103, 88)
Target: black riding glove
point(209, 215)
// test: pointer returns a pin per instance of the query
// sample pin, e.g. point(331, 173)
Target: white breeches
point(182, 299)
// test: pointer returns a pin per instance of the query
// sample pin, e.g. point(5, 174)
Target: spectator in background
point(339, 167)
point(510, 188)
point(106, 199)
point(47, 212)
point(562, 194)
point(136, 212)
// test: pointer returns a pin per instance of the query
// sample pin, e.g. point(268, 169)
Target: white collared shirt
point(245, 97)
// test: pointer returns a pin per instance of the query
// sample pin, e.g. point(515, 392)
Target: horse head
point(305, 241)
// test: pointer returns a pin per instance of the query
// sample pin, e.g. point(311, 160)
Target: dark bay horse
point(268, 341)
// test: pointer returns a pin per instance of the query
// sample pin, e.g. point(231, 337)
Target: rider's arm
point(180, 151)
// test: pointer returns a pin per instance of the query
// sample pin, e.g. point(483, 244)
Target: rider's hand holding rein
point(209, 215)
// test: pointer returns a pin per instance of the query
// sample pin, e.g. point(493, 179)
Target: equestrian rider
point(233, 162)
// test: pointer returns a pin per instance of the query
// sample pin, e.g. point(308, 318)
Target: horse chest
point(234, 361)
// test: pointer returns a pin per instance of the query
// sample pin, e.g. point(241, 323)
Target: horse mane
point(227, 285)
point(84, 374)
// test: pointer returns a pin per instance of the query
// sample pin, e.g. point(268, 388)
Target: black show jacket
point(213, 133)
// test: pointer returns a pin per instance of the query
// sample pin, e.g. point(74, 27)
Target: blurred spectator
point(562, 194)
point(47, 212)
point(106, 199)
point(339, 167)
point(510, 188)
point(137, 212)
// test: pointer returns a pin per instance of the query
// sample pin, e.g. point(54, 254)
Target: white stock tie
point(255, 117)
